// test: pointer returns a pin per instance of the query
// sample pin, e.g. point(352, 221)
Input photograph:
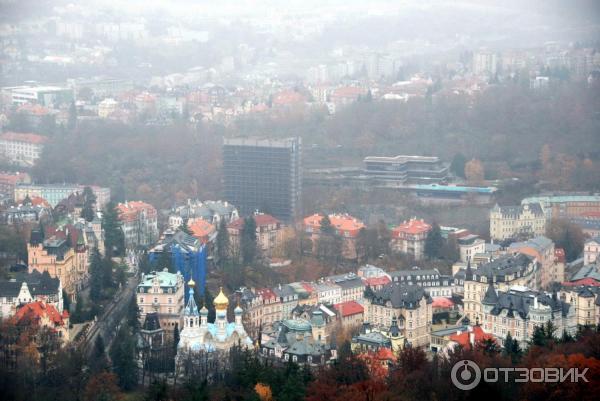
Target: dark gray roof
point(38, 284)
point(399, 295)
point(491, 297)
point(151, 323)
point(521, 301)
point(503, 266)
point(284, 291)
point(514, 211)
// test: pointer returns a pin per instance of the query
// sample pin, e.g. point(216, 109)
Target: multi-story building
point(585, 304)
point(47, 96)
point(186, 253)
point(436, 284)
point(351, 314)
point(404, 169)
point(8, 182)
point(542, 249)
point(265, 175)
point(352, 286)
point(210, 211)
point(505, 272)
point(566, 206)
point(288, 299)
point(22, 149)
point(29, 287)
point(23, 214)
point(591, 251)
point(161, 292)
point(54, 193)
point(269, 233)
point(139, 223)
point(469, 246)
point(524, 221)
point(409, 238)
point(485, 63)
point(328, 293)
point(38, 314)
point(410, 305)
point(346, 226)
point(61, 259)
point(519, 310)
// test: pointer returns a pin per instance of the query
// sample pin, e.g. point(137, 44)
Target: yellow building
point(526, 220)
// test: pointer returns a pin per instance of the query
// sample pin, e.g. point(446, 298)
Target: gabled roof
point(399, 295)
point(463, 339)
point(33, 312)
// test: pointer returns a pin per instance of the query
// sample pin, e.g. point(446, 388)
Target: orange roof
point(28, 138)
point(463, 338)
point(376, 281)
point(39, 201)
point(260, 219)
point(343, 223)
point(129, 211)
point(201, 229)
point(266, 293)
point(349, 308)
point(442, 302)
point(288, 97)
point(588, 281)
point(33, 312)
point(412, 226)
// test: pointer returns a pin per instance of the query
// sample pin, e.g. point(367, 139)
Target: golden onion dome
point(191, 283)
point(221, 301)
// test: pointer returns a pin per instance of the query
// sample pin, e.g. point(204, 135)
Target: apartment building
point(346, 226)
point(162, 292)
point(22, 149)
point(139, 223)
point(523, 221)
point(409, 237)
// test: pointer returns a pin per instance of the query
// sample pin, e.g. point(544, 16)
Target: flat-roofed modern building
point(264, 174)
point(404, 169)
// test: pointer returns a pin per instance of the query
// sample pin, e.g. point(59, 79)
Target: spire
point(191, 308)
point(469, 272)
point(491, 297)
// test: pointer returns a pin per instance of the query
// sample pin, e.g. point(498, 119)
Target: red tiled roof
point(39, 201)
point(442, 302)
point(376, 281)
point(308, 287)
point(260, 219)
point(34, 311)
point(463, 338)
point(266, 293)
point(28, 138)
point(343, 223)
point(588, 281)
point(129, 211)
point(412, 226)
point(349, 308)
point(201, 229)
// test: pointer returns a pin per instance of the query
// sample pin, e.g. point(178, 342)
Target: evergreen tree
point(248, 241)
point(107, 273)
point(123, 358)
point(98, 362)
point(175, 338)
point(133, 315)
point(512, 348)
point(538, 337)
point(96, 276)
point(89, 204)
point(458, 165)
point(222, 243)
point(325, 226)
point(66, 301)
point(114, 239)
point(434, 242)
point(185, 228)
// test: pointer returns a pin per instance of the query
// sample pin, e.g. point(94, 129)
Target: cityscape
point(286, 201)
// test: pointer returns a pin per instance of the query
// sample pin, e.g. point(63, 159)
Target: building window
point(294, 358)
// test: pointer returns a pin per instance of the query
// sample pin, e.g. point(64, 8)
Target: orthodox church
point(198, 335)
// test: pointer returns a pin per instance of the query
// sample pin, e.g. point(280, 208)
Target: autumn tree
point(567, 236)
point(474, 171)
point(103, 387)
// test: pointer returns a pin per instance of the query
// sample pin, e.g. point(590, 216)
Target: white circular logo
point(465, 375)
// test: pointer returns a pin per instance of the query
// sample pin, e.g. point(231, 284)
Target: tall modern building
point(264, 174)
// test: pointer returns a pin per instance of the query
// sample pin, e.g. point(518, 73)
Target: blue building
point(187, 255)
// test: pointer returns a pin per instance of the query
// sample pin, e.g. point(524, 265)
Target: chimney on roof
point(472, 338)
